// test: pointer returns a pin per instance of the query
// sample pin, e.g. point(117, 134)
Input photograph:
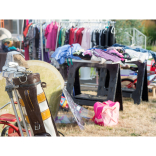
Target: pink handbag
point(106, 113)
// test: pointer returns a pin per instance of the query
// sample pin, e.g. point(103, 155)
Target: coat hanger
point(65, 25)
point(43, 23)
point(113, 28)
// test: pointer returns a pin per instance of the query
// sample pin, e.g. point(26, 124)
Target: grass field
point(134, 120)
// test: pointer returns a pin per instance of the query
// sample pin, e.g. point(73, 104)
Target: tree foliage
point(124, 27)
point(150, 32)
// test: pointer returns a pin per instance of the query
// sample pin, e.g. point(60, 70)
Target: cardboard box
point(17, 44)
point(153, 91)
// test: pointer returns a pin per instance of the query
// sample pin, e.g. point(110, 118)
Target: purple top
point(115, 52)
point(107, 56)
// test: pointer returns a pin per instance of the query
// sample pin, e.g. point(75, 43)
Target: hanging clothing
point(71, 36)
point(88, 38)
point(84, 39)
point(103, 38)
point(47, 31)
point(79, 35)
point(58, 30)
point(85, 44)
point(97, 37)
point(30, 37)
point(106, 38)
point(26, 53)
point(59, 38)
point(26, 29)
point(37, 36)
point(45, 56)
point(75, 35)
point(100, 33)
point(49, 36)
point(93, 39)
point(67, 37)
point(63, 36)
point(54, 36)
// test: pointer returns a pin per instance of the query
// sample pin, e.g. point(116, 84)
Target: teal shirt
point(12, 48)
point(60, 38)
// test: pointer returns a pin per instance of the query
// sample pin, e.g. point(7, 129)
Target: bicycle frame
point(12, 126)
point(135, 80)
point(131, 84)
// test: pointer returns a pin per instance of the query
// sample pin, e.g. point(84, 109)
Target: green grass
point(109, 128)
point(152, 48)
point(135, 134)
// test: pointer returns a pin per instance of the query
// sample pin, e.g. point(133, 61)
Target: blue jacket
point(66, 51)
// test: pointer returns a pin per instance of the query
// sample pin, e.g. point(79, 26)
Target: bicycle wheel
point(126, 82)
point(5, 131)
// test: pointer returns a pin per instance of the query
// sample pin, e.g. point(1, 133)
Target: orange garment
point(26, 29)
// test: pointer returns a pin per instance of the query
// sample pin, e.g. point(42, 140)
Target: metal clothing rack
point(105, 22)
point(40, 22)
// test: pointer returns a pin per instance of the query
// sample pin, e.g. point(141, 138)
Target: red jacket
point(71, 36)
point(79, 36)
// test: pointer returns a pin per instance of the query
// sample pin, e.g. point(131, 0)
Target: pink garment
point(47, 31)
point(106, 113)
point(27, 22)
point(88, 52)
point(54, 36)
point(88, 38)
point(84, 43)
point(51, 37)
point(26, 53)
point(115, 52)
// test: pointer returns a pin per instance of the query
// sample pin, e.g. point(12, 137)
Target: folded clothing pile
point(138, 54)
point(98, 55)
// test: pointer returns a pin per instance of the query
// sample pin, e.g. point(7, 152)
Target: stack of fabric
point(137, 54)
point(100, 55)
point(96, 55)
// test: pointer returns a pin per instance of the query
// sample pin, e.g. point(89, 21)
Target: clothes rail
point(59, 22)
point(88, 21)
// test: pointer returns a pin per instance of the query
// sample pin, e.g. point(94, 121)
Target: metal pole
point(18, 28)
point(9, 90)
point(41, 39)
point(5, 105)
point(133, 36)
point(21, 112)
point(145, 42)
point(21, 33)
point(88, 21)
point(18, 122)
point(57, 35)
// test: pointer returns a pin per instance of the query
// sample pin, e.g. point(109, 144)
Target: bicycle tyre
point(128, 81)
point(4, 130)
